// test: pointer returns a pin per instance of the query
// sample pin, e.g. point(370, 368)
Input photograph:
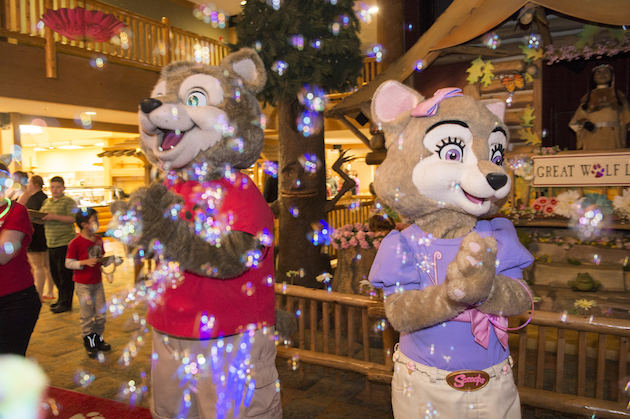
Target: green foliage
point(524, 238)
point(335, 66)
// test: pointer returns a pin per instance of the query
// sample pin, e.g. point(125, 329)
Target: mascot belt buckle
point(468, 380)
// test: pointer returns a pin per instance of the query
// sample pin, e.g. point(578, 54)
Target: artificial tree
point(302, 42)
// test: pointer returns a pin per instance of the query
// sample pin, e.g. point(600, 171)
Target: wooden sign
point(594, 169)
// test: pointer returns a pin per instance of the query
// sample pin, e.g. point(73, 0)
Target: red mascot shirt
point(202, 307)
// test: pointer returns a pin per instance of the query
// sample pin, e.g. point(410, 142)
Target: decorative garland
point(607, 48)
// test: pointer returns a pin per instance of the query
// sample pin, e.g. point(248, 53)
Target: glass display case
point(92, 196)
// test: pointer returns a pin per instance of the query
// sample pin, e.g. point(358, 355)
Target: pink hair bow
point(429, 107)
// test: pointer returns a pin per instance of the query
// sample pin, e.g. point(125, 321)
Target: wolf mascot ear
point(391, 108)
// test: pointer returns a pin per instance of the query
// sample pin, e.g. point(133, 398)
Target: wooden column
point(389, 30)
point(17, 139)
point(51, 50)
point(167, 40)
point(538, 102)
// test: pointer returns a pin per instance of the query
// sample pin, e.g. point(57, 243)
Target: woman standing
point(19, 301)
point(33, 198)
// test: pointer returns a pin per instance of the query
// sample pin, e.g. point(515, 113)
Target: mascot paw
point(470, 276)
point(286, 324)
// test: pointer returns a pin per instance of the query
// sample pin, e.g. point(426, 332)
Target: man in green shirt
point(59, 225)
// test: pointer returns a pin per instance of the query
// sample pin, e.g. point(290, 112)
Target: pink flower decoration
point(353, 242)
point(548, 209)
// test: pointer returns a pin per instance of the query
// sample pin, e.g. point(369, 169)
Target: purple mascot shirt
point(410, 260)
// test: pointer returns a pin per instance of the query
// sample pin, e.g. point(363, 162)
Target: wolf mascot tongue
point(200, 126)
point(449, 279)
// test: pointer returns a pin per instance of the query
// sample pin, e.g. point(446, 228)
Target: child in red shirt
point(84, 257)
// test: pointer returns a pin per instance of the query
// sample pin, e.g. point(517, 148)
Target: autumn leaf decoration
point(475, 70)
point(486, 80)
point(528, 136)
point(528, 117)
point(531, 54)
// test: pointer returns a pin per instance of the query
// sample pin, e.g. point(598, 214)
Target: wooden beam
point(344, 120)
point(51, 52)
point(17, 139)
point(483, 51)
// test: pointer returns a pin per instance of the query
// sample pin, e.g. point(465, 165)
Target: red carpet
point(73, 405)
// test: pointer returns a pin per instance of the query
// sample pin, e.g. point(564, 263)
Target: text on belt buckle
point(468, 380)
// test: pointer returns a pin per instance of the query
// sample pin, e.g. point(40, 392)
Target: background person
point(59, 226)
point(33, 198)
point(19, 302)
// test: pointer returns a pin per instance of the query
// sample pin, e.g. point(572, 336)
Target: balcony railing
point(564, 363)
point(144, 43)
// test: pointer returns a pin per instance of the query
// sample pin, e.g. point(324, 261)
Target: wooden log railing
point(563, 363)
point(144, 43)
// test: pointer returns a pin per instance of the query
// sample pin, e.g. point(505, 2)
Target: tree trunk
point(301, 201)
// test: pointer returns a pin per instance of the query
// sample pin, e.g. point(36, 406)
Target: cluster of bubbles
point(509, 100)
point(132, 392)
point(365, 13)
point(491, 40)
point(588, 222)
point(316, 43)
point(377, 52)
point(280, 67)
point(320, 235)
point(522, 166)
point(83, 378)
point(533, 41)
point(310, 162)
point(270, 168)
point(98, 62)
point(201, 54)
point(380, 326)
point(298, 42)
point(419, 65)
point(309, 122)
point(126, 227)
point(210, 14)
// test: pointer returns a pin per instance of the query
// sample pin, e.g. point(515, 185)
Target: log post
point(167, 40)
point(51, 50)
point(16, 141)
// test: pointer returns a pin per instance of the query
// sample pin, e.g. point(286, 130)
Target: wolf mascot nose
point(496, 180)
point(148, 105)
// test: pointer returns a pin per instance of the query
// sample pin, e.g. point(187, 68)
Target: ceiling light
point(243, 3)
point(31, 129)
point(40, 149)
point(373, 10)
point(99, 144)
point(90, 113)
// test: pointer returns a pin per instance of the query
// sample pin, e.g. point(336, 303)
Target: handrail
point(145, 43)
point(605, 337)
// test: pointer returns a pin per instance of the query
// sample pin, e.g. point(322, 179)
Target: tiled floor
point(57, 346)
point(307, 392)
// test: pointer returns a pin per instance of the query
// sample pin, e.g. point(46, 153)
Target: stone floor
point(307, 392)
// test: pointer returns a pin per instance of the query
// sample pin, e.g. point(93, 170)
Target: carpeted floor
point(66, 404)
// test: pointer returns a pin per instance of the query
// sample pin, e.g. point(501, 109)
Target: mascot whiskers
point(212, 228)
point(450, 279)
